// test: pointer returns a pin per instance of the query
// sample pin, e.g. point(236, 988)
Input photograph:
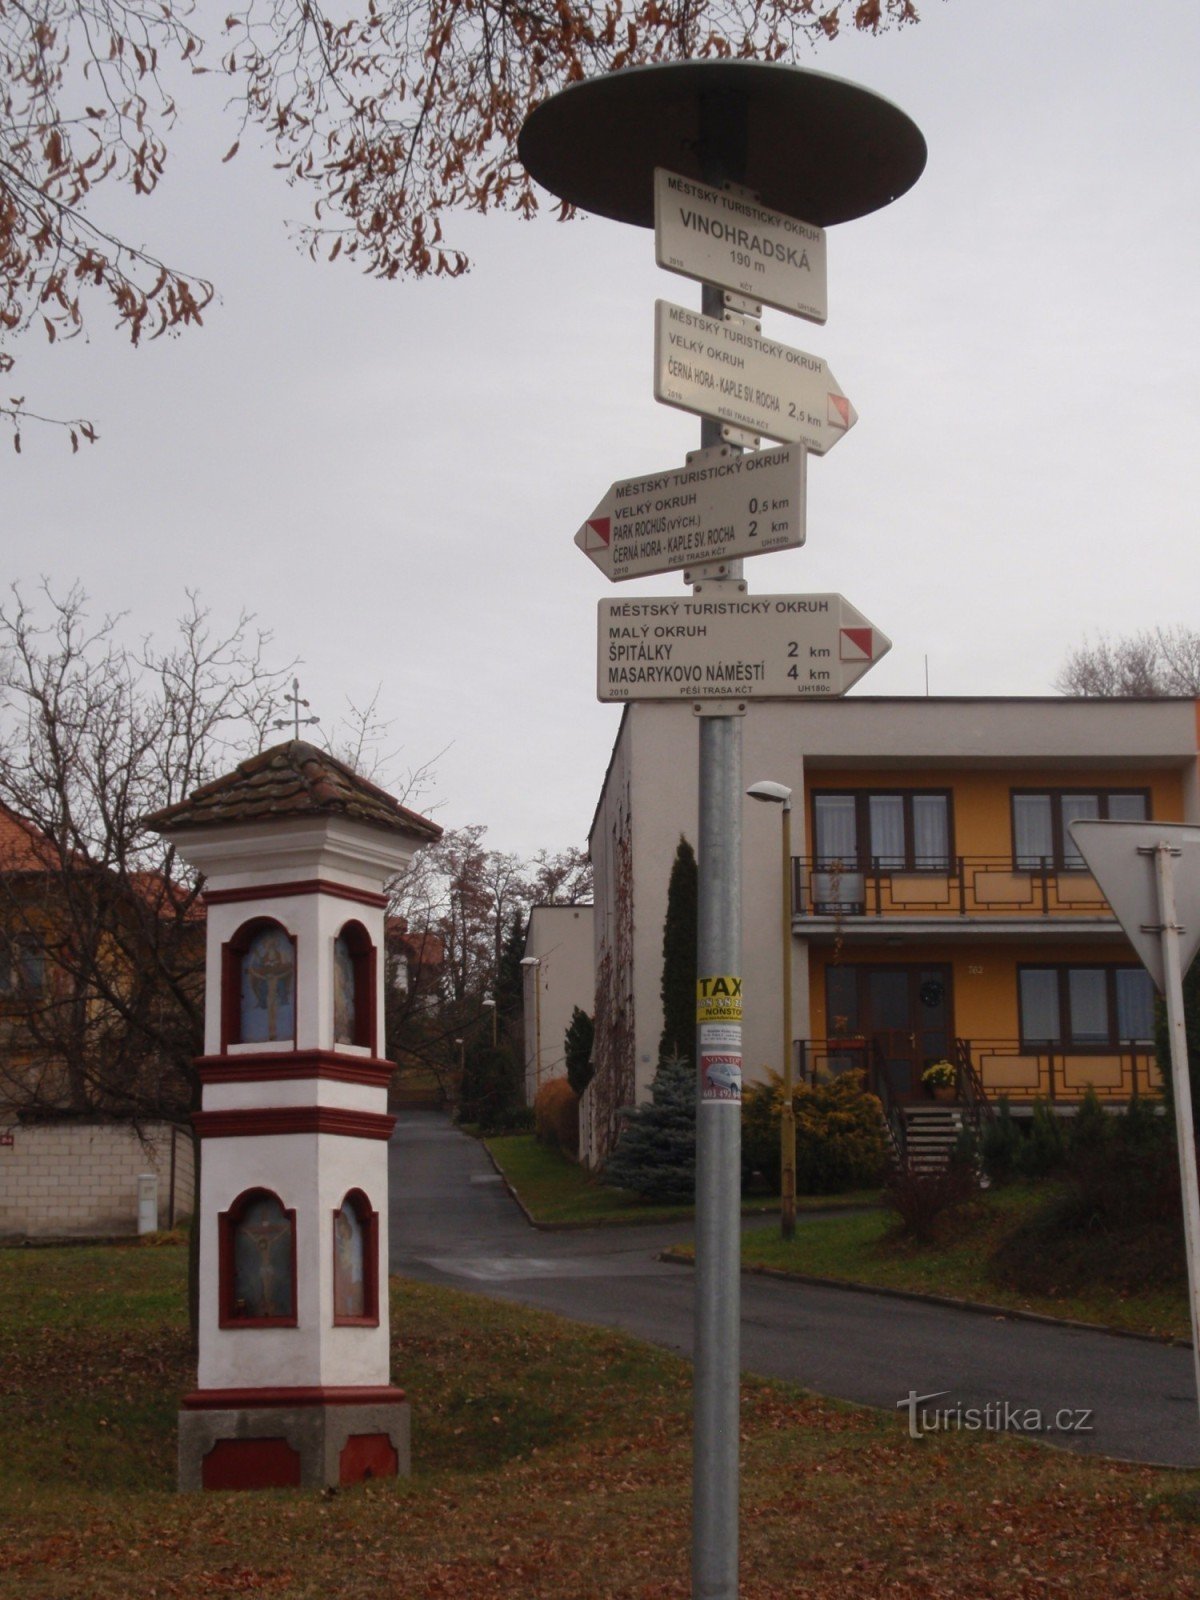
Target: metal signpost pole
point(823, 151)
point(1169, 931)
point(716, 1403)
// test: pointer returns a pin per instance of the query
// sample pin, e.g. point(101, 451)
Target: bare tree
point(106, 1014)
point(390, 115)
point(1155, 661)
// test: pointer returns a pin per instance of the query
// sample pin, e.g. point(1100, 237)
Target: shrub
point(1126, 1175)
point(556, 1117)
point(840, 1138)
point(491, 1087)
point(655, 1153)
point(1044, 1149)
point(921, 1197)
point(1001, 1145)
point(514, 1119)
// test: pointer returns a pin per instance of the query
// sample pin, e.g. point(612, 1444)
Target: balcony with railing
point(987, 1070)
point(960, 890)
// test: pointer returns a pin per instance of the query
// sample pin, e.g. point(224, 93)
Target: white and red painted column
point(294, 1378)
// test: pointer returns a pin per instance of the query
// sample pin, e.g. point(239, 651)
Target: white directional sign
point(723, 238)
point(762, 647)
point(719, 507)
point(727, 371)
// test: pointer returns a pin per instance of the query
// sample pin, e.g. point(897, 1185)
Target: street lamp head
point(775, 793)
point(531, 961)
point(488, 1002)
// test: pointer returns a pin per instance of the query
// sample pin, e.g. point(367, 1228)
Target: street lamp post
point(779, 794)
point(489, 1004)
point(532, 965)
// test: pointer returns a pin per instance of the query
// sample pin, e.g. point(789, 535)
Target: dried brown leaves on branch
point(391, 116)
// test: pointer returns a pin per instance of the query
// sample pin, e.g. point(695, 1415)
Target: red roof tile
point(290, 780)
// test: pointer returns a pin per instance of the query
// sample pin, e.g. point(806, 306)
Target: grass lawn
point(554, 1189)
point(551, 1462)
point(858, 1248)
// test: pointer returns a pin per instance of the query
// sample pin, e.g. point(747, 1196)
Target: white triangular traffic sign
point(1120, 856)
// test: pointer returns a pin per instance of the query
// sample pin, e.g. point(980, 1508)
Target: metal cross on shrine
point(295, 702)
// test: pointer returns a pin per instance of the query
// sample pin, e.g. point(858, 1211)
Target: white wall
point(560, 937)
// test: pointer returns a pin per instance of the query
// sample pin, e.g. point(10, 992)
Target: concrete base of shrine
point(292, 1441)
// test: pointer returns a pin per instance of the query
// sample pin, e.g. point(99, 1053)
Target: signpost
point(722, 505)
point(727, 371)
point(685, 133)
point(727, 238)
point(1150, 875)
point(734, 647)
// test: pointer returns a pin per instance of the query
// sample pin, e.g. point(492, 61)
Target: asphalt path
point(452, 1221)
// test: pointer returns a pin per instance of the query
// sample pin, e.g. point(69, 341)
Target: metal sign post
point(799, 145)
point(1134, 864)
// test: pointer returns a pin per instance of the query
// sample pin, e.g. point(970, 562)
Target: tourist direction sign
point(726, 238)
point(720, 506)
point(740, 647)
point(727, 371)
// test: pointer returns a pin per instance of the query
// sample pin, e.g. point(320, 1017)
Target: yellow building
point(938, 909)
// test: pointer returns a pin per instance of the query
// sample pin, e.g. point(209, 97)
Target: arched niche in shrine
point(356, 1262)
point(259, 985)
point(354, 987)
point(257, 1249)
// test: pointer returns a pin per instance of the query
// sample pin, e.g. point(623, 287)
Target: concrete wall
point(79, 1180)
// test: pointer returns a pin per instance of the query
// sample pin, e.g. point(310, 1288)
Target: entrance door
point(903, 1010)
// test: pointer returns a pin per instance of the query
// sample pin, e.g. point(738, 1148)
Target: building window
point(22, 966)
point(883, 831)
point(1041, 821)
point(259, 977)
point(356, 1262)
point(1085, 1007)
point(353, 987)
point(257, 1248)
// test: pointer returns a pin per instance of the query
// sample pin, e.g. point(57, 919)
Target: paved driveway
point(453, 1222)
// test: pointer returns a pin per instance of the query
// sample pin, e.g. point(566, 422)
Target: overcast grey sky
point(391, 476)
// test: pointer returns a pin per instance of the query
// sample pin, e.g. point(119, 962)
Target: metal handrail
point(931, 886)
point(970, 1089)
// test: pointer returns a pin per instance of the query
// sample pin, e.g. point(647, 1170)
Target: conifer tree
point(679, 958)
point(577, 1050)
point(655, 1154)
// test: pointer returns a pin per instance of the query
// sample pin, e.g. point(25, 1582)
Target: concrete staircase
point(931, 1132)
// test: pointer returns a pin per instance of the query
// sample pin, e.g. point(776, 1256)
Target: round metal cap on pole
point(811, 145)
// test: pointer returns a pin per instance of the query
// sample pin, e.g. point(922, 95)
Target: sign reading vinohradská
point(723, 238)
point(719, 507)
point(760, 647)
point(727, 371)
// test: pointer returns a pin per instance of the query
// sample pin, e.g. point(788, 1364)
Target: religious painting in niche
point(262, 1236)
point(356, 1262)
point(268, 992)
point(345, 1000)
point(349, 1261)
